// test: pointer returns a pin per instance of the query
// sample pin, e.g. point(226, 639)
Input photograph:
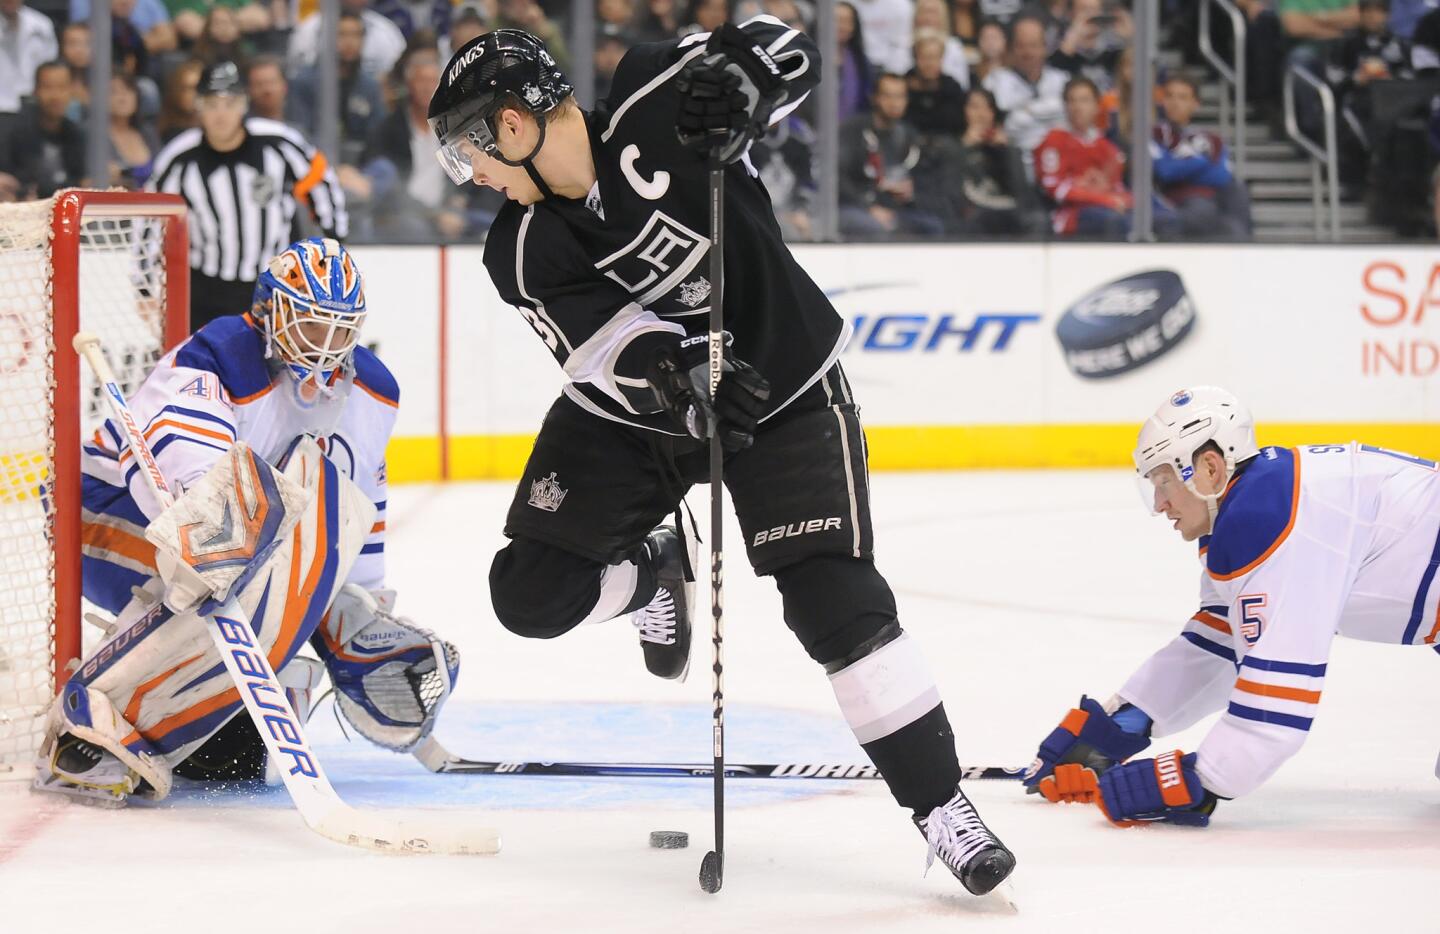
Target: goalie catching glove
point(679, 375)
point(391, 677)
point(728, 95)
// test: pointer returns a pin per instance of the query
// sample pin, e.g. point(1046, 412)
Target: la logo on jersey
point(657, 260)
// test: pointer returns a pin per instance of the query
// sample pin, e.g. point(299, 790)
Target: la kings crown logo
point(692, 294)
point(546, 493)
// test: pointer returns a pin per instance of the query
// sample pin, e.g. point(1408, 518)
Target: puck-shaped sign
point(1125, 324)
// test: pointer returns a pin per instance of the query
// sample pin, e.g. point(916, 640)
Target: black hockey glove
point(679, 375)
point(728, 94)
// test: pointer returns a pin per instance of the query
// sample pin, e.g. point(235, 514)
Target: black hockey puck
point(1125, 324)
point(669, 839)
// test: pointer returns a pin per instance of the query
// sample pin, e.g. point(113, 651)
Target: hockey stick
point(266, 702)
point(712, 867)
point(437, 758)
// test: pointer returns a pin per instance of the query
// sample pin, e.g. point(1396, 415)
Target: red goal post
point(111, 262)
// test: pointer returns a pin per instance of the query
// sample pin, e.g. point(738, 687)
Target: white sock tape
point(886, 690)
point(617, 588)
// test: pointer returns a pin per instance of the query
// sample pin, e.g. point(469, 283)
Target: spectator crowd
point(389, 55)
point(960, 118)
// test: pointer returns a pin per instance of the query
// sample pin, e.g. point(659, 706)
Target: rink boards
point(963, 355)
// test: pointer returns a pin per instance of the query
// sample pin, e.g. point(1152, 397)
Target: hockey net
point(113, 263)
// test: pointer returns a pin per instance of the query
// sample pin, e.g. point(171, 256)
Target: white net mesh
point(122, 298)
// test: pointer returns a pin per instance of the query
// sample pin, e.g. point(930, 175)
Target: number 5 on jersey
point(1252, 621)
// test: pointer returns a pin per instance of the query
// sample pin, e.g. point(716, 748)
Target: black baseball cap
point(220, 78)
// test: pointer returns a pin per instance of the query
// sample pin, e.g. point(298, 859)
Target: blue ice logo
point(1180, 398)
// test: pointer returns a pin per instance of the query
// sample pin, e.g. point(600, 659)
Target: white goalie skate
point(960, 839)
point(71, 766)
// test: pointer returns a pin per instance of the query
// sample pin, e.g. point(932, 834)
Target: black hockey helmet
point(220, 78)
point(479, 77)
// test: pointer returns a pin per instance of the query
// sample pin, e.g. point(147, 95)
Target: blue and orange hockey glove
point(1165, 789)
point(1087, 740)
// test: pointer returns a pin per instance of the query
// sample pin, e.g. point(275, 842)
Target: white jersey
point(218, 387)
point(1307, 543)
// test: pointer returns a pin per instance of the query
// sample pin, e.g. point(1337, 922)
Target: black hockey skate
point(664, 622)
point(961, 840)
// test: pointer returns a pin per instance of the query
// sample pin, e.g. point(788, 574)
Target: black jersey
point(593, 274)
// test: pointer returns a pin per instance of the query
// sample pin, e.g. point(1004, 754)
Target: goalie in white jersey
point(1296, 545)
point(274, 424)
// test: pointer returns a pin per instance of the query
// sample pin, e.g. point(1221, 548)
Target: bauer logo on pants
point(1125, 324)
point(546, 494)
point(796, 528)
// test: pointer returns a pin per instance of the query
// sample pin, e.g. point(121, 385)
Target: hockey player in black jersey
point(601, 248)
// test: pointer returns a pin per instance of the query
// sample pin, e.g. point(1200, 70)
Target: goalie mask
point(1179, 428)
point(310, 303)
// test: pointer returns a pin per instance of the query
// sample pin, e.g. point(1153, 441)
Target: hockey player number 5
point(1372, 449)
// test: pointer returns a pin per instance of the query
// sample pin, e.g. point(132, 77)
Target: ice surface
point(1026, 589)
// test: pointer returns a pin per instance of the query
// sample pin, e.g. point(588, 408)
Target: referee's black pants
point(211, 297)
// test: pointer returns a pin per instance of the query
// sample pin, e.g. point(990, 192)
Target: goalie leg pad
point(391, 677)
point(161, 670)
point(236, 752)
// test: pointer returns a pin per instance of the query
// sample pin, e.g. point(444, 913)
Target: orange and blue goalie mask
point(310, 301)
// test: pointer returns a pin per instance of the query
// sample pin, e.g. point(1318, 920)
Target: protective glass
point(1161, 485)
point(313, 341)
point(455, 155)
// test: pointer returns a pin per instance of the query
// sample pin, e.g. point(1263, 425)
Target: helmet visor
point(455, 154)
point(1161, 486)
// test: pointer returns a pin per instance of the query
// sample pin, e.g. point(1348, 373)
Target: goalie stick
point(266, 702)
point(437, 758)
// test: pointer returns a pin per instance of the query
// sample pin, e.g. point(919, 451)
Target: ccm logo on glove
point(796, 528)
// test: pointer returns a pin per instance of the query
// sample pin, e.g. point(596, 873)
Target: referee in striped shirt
point(242, 178)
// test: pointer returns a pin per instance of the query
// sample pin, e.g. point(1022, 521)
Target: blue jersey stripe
point(1270, 716)
point(1217, 609)
point(1417, 612)
point(1214, 648)
point(193, 413)
point(1284, 668)
point(374, 548)
point(163, 444)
